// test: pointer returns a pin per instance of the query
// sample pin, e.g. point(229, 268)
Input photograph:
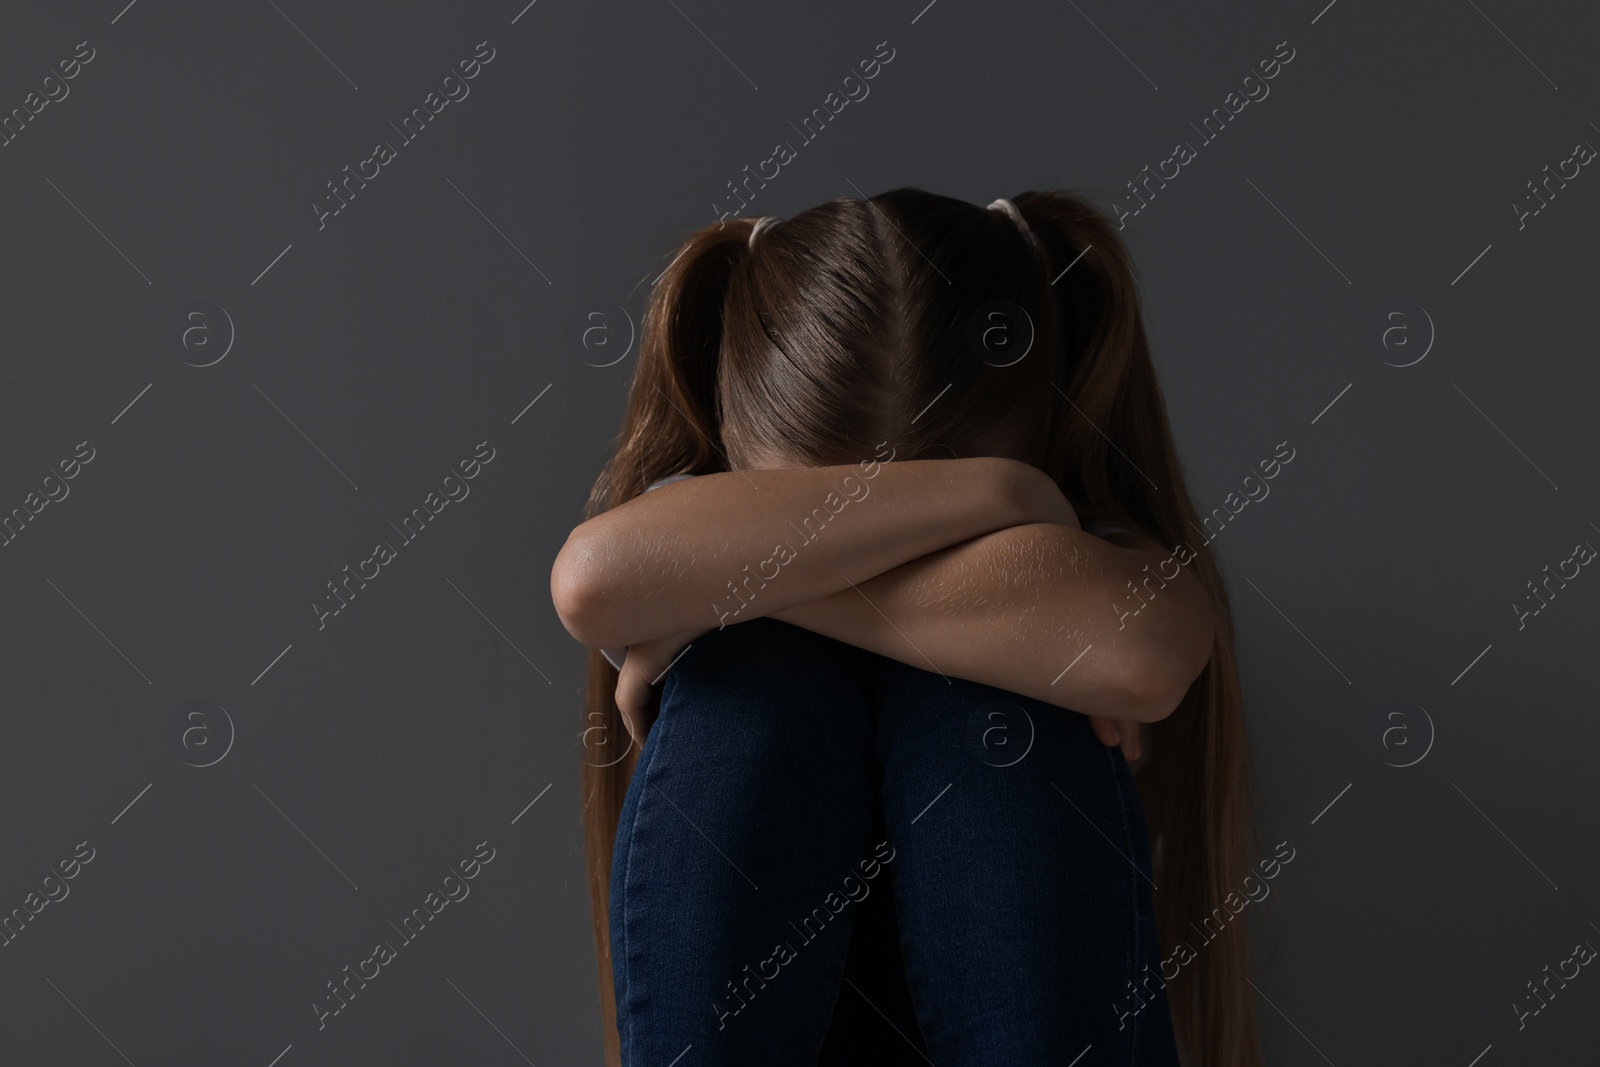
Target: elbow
point(1153, 695)
point(1161, 682)
point(579, 594)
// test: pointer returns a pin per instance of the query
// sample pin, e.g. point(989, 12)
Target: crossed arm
point(973, 568)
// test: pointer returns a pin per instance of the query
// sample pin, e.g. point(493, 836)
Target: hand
point(1112, 733)
point(646, 664)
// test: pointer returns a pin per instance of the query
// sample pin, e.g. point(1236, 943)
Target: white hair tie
point(1008, 208)
point(762, 223)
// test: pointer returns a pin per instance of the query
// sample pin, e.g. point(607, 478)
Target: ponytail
point(1195, 784)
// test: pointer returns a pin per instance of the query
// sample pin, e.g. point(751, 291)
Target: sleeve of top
point(615, 656)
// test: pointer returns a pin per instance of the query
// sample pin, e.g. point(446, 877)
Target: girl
point(896, 524)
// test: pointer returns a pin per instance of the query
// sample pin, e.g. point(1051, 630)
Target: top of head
point(911, 318)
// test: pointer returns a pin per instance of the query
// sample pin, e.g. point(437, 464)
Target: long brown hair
point(944, 328)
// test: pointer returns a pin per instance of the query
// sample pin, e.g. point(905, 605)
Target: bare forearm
point(1039, 609)
point(738, 545)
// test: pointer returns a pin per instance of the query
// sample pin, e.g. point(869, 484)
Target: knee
point(978, 723)
point(768, 686)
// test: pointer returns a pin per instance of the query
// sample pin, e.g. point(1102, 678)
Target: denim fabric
point(800, 806)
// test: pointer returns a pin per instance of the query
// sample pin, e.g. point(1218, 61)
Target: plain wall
point(354, 760)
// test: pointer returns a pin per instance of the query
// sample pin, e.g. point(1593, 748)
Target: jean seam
point(1133, 896)
point(643, 774)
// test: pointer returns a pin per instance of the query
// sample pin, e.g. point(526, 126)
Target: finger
point(638, 725)
point(627, 717)
point(632, 695)
point(1106, 730)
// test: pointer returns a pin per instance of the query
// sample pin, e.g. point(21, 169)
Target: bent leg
point(874, 1020)
point(750, 807)
point(1021, 878)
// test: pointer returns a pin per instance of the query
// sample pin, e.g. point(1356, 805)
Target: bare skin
point(660, 563)
point(973, 568)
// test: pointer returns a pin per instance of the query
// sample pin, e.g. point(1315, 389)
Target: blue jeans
point(794, 787)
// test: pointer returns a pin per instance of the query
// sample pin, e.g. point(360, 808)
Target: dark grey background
point(456, 289)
